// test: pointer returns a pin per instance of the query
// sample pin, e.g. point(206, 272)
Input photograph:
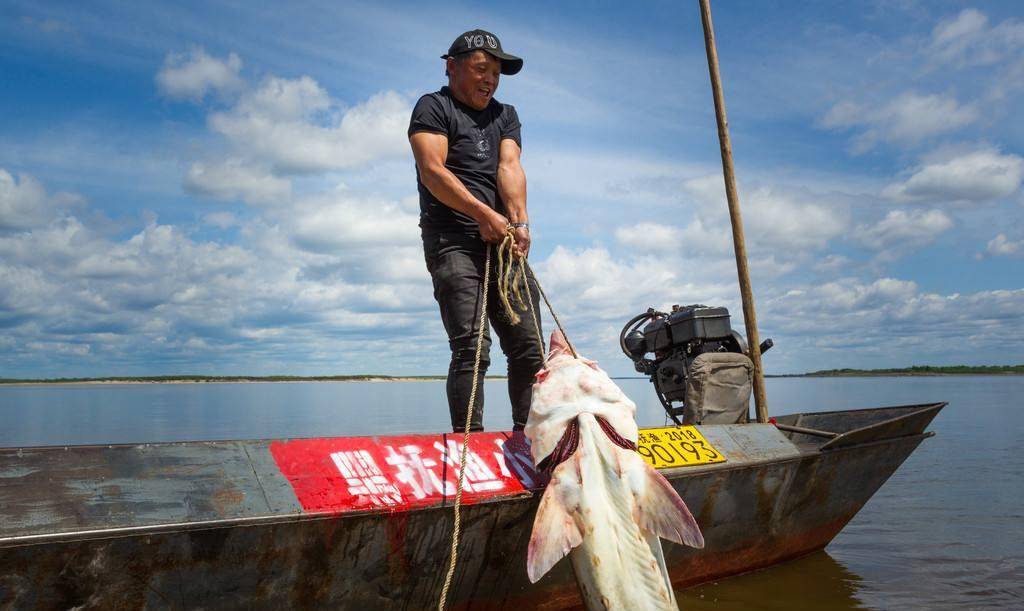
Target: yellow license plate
point(676, 446)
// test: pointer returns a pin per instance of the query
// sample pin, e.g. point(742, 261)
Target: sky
point(227, 187)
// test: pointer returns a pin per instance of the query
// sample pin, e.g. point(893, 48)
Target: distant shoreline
point(218, 380)
point(918, 371)
point(890, 375)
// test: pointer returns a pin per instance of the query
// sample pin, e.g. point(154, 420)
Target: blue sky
point(226, 188)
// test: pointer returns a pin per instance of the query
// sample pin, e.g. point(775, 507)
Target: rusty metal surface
point(782, 511)
point(770, 502)
point(54, 490)
point(912, 423)
point(753, 442)
point(864, 425)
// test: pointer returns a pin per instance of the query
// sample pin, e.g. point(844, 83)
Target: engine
point(697, 362)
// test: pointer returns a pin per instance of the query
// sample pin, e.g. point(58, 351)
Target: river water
point(945, 532)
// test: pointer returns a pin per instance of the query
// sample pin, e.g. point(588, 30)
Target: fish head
point(558, 345)
point(560, 354)
point(567, 386)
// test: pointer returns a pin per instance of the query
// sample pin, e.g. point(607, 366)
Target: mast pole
point(739, 244)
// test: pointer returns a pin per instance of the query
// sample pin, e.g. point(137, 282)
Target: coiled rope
point(512, 271)
point(510, 276)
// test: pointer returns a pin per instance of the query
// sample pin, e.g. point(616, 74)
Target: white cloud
point(309, 288)
point(785, 220)
point(896, 321)
point(711, 238)
point(70, 281)
point(1002, 246)
point(24, 203)
point(590, 282)
point(607, 177)
point(906, 120)
point(293, 125)
point(952, 37)
point(831, 264)
point(220, 219)
point(774, 217)
point(193, 74)
point(889, 323)
point(595, 278)
point(340, 221)
point(162, 298)
point(284, 99)
point(900, 230)
point(281, 128)
point(1009, 82)
point(845, 296)
point(969, 40)
point(782, 226)
point(886, 320)
point(979, 176)
point(59, 348)
point(233, 179)
point(650, 237)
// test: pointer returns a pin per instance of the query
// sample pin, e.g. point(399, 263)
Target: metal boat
point(366, 522)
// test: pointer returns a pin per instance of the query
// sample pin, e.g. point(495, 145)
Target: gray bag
point(718, 389)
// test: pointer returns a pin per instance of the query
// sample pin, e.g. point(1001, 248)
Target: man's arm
point(431, 152)
point(512, 191)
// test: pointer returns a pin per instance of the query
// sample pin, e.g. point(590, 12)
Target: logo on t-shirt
point(483, 146)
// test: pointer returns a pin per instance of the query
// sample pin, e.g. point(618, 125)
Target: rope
point(510, 276)
point(465, 437)
point(558, 323)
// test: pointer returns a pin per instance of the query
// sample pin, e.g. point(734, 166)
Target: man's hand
point(522, 246)
point(492, 226)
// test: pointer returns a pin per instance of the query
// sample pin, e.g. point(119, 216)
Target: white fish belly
point(617, 566)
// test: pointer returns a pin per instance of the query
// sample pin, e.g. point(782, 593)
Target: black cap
point(480, 40)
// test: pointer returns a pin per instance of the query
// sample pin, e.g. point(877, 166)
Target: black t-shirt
point(474, 138)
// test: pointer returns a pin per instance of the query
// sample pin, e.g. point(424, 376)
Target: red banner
point(403, 472)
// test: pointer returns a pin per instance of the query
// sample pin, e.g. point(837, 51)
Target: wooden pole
point(746, 293)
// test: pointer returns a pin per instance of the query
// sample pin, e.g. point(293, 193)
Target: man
point(472, 189)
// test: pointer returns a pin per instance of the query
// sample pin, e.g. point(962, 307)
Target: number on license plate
point(673, 446)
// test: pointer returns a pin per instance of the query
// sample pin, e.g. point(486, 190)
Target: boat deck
point(63, 493)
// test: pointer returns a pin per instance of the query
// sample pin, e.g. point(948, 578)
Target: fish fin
point(555, 530)
point(660, 511)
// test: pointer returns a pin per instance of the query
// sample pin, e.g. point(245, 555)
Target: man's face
point(474, 79)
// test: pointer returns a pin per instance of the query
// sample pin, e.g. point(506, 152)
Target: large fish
point(605, 507)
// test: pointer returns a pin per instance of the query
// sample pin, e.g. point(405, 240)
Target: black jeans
point(456, 265)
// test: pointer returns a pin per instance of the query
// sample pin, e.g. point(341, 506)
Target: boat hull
point(777, 498)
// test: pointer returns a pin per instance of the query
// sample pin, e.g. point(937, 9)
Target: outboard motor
point(700, 368)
